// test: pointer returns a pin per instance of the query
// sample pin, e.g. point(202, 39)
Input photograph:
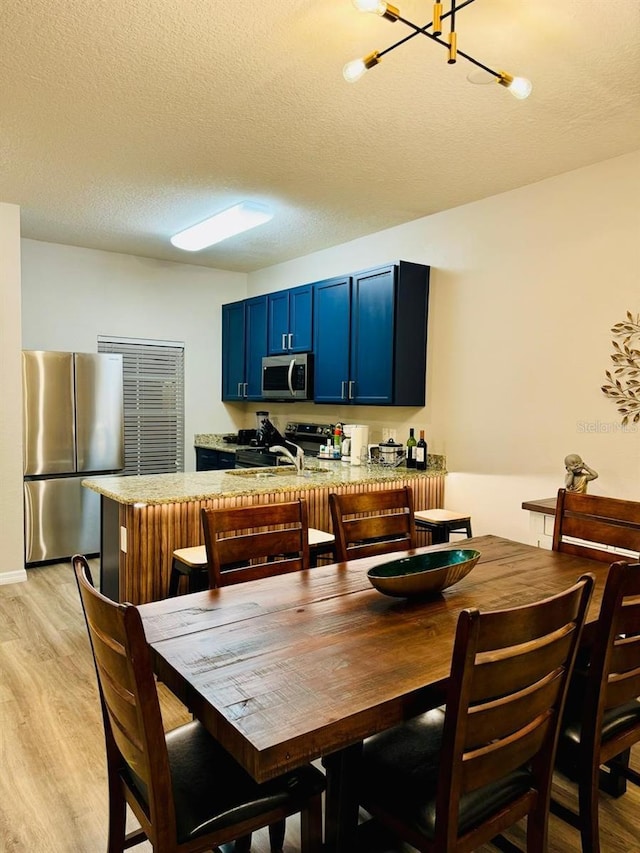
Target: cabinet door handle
point(284, 340)
point(240, 384)
point(343, 393)
point(290, 339)
point(351, 384)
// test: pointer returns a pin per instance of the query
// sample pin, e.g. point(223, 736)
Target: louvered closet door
point(153, 373)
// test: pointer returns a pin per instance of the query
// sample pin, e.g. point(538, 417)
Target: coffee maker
point(347, 431)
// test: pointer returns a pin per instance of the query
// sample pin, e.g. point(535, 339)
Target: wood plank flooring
point(52, 768)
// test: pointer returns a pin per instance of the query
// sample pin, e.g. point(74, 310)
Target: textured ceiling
point(123, 122)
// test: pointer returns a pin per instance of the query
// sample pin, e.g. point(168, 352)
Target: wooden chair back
point(370, 523)
point(509, 677)
point(135, 741)
point(602, 717)
point(598, 520)
point(247, 543)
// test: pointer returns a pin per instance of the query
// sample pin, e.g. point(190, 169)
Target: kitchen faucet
point(298, 459)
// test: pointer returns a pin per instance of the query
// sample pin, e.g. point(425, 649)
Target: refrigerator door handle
point(28, 522)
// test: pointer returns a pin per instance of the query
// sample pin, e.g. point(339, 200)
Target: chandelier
point(519, 87)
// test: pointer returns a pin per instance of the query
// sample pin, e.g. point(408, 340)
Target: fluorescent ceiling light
point(234, 220)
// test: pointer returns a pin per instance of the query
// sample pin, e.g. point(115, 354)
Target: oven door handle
point(290, 376)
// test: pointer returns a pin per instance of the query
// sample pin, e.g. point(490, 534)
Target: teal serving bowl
point(423, 574)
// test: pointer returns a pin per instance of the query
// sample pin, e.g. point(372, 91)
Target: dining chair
point(192, 562)
point(599, 522)
point(374, 522)
point(456, 777)
point(602, 716)
point(187, 793)
point(251, 542)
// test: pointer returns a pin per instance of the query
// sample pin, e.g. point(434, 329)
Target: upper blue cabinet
point(290, 317)
point(244, 344)
point(370, 336)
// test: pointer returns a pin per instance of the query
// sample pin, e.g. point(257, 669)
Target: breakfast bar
point(145, 519)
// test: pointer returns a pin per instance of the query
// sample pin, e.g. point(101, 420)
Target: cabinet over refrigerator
point(72, 427)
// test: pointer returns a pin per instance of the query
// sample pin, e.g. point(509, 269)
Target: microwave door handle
point(290, 376)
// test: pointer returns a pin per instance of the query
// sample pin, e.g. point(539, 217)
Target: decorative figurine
point(578, 474)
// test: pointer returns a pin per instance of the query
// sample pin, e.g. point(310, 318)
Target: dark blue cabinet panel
point(332, 311)
point(256, 345)
point(370, 336)
point(290, 320)
point(244, 343)
point(233, 355)
point(278, 322)
point(208, 459)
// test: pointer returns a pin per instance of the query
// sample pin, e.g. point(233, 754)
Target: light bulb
point(520, 88)
point(378, 7)
point(354, 70)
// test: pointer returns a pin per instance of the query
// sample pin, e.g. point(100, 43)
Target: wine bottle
point(411, 449)
point(421, 453)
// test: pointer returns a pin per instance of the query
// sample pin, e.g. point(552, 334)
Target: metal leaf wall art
point(623, 388)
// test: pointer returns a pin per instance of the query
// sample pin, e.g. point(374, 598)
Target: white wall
point(71, 295)
point(525, 289)
point(11, 530)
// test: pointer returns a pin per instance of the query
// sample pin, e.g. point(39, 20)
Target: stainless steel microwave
point(287, 377)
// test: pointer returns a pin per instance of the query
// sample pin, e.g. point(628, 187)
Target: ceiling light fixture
point(234, 220)
point(519, 87)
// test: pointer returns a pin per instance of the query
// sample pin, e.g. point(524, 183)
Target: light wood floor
point(52, 770)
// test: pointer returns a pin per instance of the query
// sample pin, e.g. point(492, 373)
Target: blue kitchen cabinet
point(210, 459)
point(244, 344)
point(331, 335)
point(290, 318)
point(370, 336)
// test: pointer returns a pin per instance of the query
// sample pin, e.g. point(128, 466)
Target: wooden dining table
point(296, 667)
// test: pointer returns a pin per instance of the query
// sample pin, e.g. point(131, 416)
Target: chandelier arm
point(417, 31)
point(479, 64)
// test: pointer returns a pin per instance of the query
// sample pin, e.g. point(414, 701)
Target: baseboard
point(19, 576)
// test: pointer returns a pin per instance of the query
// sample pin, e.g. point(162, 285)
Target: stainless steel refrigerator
point(72, 428)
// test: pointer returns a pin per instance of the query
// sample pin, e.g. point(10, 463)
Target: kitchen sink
point(280, 471)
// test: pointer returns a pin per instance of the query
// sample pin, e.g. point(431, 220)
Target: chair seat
point(400, 767)
point(212, 791)
point(320, 537)
point(614, 721)
point(192, 558)
point(438, 516)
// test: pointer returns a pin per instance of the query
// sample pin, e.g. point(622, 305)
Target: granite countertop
point(215, 441)
point(200, 485)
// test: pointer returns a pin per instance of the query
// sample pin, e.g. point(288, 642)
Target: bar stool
point(192, 562)
point(441, 523)
point(321, 543)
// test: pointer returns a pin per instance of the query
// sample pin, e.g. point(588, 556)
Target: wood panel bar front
point(149, 533)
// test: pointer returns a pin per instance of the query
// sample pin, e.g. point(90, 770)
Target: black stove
point(307, 436)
